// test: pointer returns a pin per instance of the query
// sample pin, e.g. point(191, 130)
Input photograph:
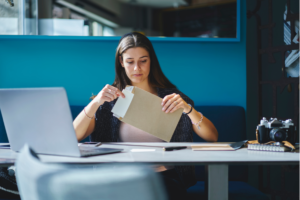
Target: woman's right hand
point(108, 93)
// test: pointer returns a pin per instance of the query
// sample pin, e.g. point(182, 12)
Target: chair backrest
point(37, 180)
point(75, 110)
point(230, 122)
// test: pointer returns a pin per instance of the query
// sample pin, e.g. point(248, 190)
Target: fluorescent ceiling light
point(88, 14)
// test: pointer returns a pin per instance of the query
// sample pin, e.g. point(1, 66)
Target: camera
point(276, 130)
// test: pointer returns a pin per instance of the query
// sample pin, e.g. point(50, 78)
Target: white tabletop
point(159, 156)
point(217, 161)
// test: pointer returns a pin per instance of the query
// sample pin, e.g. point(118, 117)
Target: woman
point(136, 64)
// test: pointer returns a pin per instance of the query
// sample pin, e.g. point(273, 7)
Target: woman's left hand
point(173, 102)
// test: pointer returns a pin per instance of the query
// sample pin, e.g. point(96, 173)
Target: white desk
point(217, 161)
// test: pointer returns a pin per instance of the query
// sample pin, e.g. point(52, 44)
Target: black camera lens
point(278, 135)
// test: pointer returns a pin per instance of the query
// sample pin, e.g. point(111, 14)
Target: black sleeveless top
point(107, 130)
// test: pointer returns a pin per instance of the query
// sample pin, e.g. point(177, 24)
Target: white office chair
point(41, 181)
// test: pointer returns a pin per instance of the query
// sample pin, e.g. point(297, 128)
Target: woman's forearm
point(171, 103)
point(207, 129)
point(83, 125)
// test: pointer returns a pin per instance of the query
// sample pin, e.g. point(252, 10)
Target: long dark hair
point(156, 76)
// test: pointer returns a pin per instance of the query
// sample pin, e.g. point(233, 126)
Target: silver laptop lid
point(40, 117)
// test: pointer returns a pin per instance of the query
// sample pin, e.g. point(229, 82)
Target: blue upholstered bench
point(231, 125)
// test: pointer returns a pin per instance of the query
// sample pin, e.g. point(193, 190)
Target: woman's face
point(136, 62)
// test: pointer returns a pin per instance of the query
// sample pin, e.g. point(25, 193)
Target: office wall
point(211, 73)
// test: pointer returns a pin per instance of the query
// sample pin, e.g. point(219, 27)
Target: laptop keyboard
point(90, 152)
point(97, 151)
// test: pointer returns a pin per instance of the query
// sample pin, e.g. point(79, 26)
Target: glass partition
point(9, 14)
point(154, 18)
point(18, 17)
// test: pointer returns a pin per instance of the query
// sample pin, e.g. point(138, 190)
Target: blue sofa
point(231, 124)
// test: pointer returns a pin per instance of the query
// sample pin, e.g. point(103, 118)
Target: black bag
point(8, 184)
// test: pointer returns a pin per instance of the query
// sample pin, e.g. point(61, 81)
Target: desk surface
point(159, 156)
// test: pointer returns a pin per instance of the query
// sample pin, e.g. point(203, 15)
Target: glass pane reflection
point(160, 18)
point(9, 18)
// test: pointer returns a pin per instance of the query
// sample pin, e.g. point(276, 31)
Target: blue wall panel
point(210, 73)
point(82, 67)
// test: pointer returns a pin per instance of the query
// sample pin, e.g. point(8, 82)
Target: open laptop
point(41, 117)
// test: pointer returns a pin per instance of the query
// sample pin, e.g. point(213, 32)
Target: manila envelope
point(143, 110)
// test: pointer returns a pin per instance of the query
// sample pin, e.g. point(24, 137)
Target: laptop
point(41, 117)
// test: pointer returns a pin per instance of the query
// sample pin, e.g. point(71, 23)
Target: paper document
point(143, 110)
point(212, 148)
point(219, 146)
point(123, 104)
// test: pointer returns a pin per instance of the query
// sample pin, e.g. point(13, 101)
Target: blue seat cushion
point(238, 190)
